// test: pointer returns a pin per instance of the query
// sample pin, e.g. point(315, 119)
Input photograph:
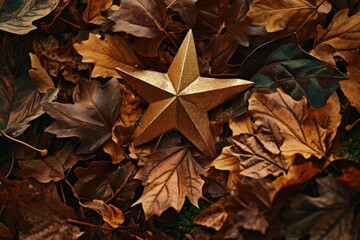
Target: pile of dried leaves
point(276, 174)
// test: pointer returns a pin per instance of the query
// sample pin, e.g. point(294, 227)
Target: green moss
point(185, 221)
point(352, 145)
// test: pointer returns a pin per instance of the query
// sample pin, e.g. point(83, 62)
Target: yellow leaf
point(39, 76)
point(110, 214)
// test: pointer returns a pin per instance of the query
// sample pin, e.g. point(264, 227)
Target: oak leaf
point(20, 100)
point(96, 112)
point(35, 211)
point(115, 51)
point(300, 16)
point(341, 38)
point(331, 211)
point(169, 175)
point(110, 214)
point(17, 16)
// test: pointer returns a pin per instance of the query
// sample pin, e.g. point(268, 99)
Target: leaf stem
point(43, 152)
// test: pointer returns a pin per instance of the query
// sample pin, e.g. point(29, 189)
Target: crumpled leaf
point(169, 175)
point(342, 38)
point(305, 130)
point(301, 16)
point(17, 16)
point(143, 18)
point(20, 100)
point(298, 74)
point(96, 113)
point(60, 58)
point(331, 211)
point(110, 214)
point(35, 211)
point(114, 52)
point(102, 180)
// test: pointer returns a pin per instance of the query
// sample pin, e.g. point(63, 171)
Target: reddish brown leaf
point(96, 112)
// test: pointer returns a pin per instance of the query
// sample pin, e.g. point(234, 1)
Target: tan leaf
point(93, 8)
point(169, 175)
point(342, 38)
point(39, 75)
point(300, 16)
point(213, 217)
point(306, 131)
point(115, 51)
point(241, 124)
point(110, 214)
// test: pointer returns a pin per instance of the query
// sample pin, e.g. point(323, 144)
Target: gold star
point(180, 98)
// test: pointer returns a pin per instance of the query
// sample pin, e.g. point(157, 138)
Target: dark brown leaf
point(96, 113)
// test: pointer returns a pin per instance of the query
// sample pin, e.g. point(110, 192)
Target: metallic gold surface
point(180, 98)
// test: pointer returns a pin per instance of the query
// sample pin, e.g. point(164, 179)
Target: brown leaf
point(169, 175)
point(110, 214)
point(213, 217)
point(49, 168)
point(35, 211)
point(5, 232)
point(141, 18)
point(300, 16)
point(306, 131)
point(350, 178)
point(39, 75)
point(114, 52)
point(341, 38)
point(55, 57)
point(96, 112)
point(102, 180)
point(93, 8)
point(331, 211)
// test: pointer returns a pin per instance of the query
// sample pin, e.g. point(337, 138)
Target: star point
point(180, 98)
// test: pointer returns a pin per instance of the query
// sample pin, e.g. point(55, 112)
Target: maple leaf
point(115, 51)
point(169, 175)
point(96, 112)
point(20, 100)
point(300, 16)
point(110, 214)
point(17, 16)
point(35, 211)
point(341, 38)
point(331, 211)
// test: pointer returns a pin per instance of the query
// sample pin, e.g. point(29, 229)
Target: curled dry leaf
point(300, 16)
point(110, 214)
point(39, 75)
point(17, 16)
point(282, 128)
point(331, 211)
point(93, 8)
point(213, 217)
point(96, 112)
point(342, 38)
point(169, 175)
point(115, 51)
